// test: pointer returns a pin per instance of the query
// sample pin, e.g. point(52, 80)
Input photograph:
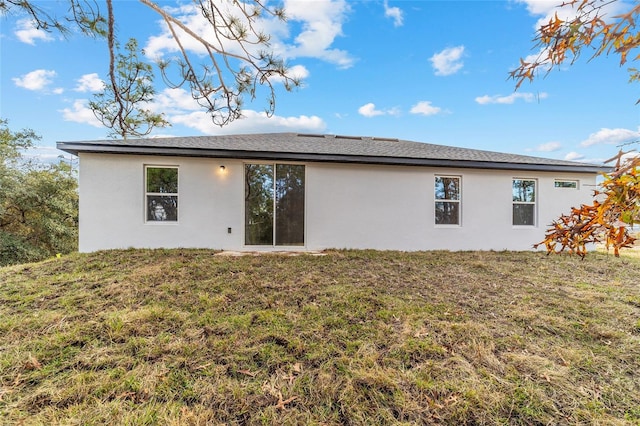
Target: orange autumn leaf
point(606, 221)
point(564, 40)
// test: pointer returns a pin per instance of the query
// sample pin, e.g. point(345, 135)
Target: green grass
point(184, 337)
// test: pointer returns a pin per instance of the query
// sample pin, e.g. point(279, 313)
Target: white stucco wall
point(347, 206)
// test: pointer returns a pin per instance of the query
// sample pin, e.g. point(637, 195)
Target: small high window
point(524, 202)
point(447, 200)
point(161, 194)
point(566, 184)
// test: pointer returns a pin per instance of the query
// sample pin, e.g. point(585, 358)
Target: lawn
point(186, 337)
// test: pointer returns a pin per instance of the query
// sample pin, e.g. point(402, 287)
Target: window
point(447, 200)
point(274, 204)
point(566, 184)
point(524, 202)
point(161, 194)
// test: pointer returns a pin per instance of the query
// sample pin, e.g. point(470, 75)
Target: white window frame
point(534, 202)
point(443, 200)
point(161, 194)
point(575, 182)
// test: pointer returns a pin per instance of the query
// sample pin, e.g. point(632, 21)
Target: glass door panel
point(289, 205)
point(258, 204)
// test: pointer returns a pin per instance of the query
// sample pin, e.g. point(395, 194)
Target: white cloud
point(394, 13)
point(89, 83)
point(539, 7)
point(45, 154)
point(80, 113)
point(448, 61)
point(369, 110)
point(297, 71)
point(499, 99)
point(425, 108)
point(27, 32)
point(320, 22)
point(549, 147)
point(547, 9)
point(174, 101)
point(180, 108)
point(252, 122)
point(611, 137)
point(35, 80)
point(572, 156)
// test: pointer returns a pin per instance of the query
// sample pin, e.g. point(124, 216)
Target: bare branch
point(236, 40)
point(238, 58)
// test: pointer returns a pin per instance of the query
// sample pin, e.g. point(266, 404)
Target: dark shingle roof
point(327, 148)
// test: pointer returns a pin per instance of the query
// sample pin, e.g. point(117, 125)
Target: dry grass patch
point(352, 337)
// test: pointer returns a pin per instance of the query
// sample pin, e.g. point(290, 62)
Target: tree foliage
point(38, 203)
point(123, 110)
point(84, 14)
point(615, 209)
point(563, 40)
point(616, 205)
point(238, 57)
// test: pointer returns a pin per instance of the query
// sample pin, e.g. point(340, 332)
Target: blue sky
point(427, 71)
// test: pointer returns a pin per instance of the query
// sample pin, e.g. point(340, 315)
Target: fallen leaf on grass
point(281, 405)
point(125, 395)
point(433, 403)
point(451, 400)
point(290, 378)
point(32, 363)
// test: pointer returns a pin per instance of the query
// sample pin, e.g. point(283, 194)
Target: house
point(287, 191)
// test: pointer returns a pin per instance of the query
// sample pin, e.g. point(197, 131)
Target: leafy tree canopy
point(38, 203)
point(11, 143)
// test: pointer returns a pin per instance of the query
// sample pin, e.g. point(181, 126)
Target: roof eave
point(75, 148)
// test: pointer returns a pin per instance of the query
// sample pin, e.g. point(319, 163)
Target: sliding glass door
point(274, 204)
